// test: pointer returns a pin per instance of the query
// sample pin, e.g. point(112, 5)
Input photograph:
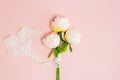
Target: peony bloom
point(52, 40)
point(60, 24)
point(72, 36)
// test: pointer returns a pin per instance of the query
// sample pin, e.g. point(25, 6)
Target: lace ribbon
point(21, 46)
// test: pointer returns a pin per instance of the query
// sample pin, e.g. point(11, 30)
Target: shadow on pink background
point(97, 57)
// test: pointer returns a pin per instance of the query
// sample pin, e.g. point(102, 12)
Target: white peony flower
point(72, 36)
point(52, 40)
point(60, 24)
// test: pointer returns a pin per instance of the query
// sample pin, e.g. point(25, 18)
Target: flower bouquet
point(60, 39)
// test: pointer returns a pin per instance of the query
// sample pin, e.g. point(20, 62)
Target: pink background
point(97, 57)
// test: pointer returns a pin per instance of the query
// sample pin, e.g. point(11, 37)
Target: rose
point(60, 24)
point(72, 36)
point(52, 40)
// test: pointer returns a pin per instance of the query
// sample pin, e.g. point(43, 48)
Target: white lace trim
point(21, 46)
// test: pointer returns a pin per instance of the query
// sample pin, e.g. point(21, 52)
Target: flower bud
point(72, 36)
point(52, 40)
point(60, 24)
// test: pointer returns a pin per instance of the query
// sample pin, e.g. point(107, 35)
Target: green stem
point(58, 67)
point(58, 73)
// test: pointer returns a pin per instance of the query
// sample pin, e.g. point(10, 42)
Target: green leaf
point(56, 52)
point(70, 47)
point(49, 55)
point(64, 47)
point(58, 48)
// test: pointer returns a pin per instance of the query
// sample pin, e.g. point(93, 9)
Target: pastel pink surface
point(97, 57)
